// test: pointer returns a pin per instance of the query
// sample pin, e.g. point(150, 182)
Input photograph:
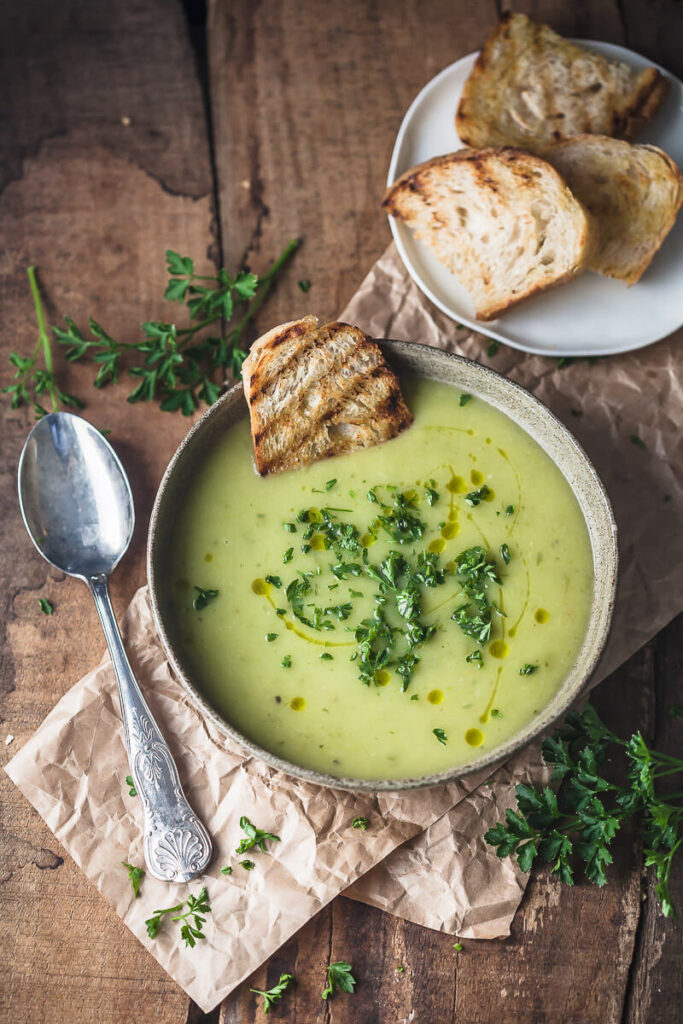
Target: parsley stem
point(265, 284)
point(44, 338)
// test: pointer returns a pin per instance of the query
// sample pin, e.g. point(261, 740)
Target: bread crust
point(526, 181)
point(314, 392)
point(530, 87)
point(634, 193)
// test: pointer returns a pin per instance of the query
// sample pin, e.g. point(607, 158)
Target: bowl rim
point(500, 754)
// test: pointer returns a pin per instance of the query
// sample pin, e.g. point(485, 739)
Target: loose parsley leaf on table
point(360, 823)
point(129, 782)
point(588, 810)
point(253, 837)
point(339, 976)
point(135, 876)
point(226, 870)
point(273, 995)
point(248, 865)
point(46, 606)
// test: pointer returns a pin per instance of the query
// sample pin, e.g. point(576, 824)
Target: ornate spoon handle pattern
point(176, 844)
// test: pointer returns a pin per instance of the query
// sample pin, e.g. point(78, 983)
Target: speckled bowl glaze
point(517, 403)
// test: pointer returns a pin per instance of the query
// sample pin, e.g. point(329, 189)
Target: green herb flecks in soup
point(391, 613)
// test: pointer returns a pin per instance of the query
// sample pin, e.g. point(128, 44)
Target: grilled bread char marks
point(317, 391)
point(530, 87)
point(502, 220)
point(634, 193)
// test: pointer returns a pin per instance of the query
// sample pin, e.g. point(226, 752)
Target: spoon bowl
point(75, 497)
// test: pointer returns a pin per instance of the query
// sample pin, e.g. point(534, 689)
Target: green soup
point(388, 614)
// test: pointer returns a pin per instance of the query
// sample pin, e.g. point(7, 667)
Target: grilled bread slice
point(318, 391)
point(503, 221)
point(633, 192)
point(530, 87)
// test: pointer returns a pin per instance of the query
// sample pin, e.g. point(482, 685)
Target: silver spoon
point(78, 509)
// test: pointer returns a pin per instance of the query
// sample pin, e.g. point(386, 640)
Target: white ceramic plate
point(590, 316)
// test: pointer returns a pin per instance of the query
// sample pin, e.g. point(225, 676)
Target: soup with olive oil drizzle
point(391, 613)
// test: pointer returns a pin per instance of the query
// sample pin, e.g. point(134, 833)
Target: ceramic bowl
point(531, 415)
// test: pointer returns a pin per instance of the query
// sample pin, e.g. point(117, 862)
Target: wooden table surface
point(131, 127)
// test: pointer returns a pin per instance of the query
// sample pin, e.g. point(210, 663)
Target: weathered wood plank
point(656, 989)
point(93, 201)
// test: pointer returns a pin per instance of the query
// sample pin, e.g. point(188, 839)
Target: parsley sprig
point(178, 366)
point(253, 837)
point(339, 976)
point(274, 994)
point(586, 814)
point(193, 919)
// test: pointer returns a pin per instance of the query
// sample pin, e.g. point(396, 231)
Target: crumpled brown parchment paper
point(423, 856)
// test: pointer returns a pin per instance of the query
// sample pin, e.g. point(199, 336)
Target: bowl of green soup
point(395, 617)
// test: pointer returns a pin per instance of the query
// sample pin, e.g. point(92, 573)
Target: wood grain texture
point(93, 203)
point(306, 102)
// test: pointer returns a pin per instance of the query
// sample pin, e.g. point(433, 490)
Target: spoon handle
point(176, 844)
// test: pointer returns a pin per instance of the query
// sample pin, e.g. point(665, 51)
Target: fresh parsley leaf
point(202, 598)
point(290, 527)
point(475, 498)
point(226, 870)
point(505, 553)
point(273, 995)
point(135, 876)
point(271, 636)
point(193, 919)
point(248, 865)
point(274, 581)
point(253, 837)
point(132, 791)
point(475, 658)
point(287, 661)
point(527, 670)
point(339, 976)
point(458, 947)
point(441, 736)
point(360, 823)
point(46, 606)
point(288, 555)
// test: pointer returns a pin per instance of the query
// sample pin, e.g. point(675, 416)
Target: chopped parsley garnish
point(475, 572)
point(202, 598)
point(271, 636)
point(527, 670)
point(371, 496)
point(132, 791)
point(273, 995)
point(288, 555)
point(401, 522)
point(505, 553)
point(476, 658)
point(431, 495)
point(475, 498)
point(496, 713)
point(46, 606)
point(360, 823)
point(441, 736)
point(326, 657)
point(339, 976)
point(290, 527)
point(464, 399)
point(330, 484)
point(274, 581)
point(287, 661)
point(135, 876)
point(193, 918)
point(509, 510)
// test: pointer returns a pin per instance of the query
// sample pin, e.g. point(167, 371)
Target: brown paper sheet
point(447, 878)
point(423, 856)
